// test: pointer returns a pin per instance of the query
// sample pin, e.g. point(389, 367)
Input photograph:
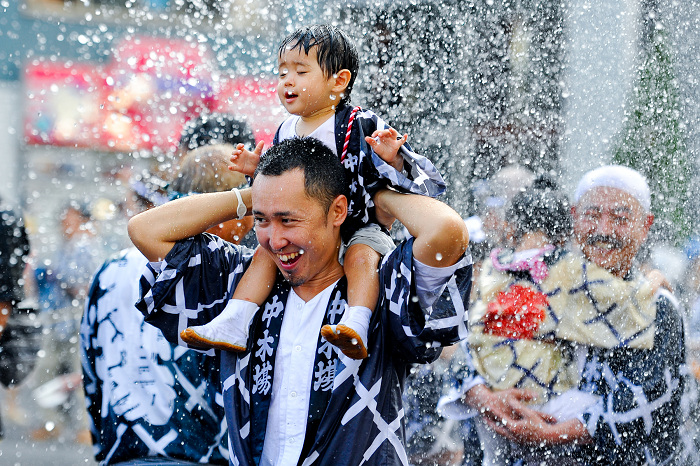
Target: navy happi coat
point(641, 396)
point(356, 413)
point(145, 396)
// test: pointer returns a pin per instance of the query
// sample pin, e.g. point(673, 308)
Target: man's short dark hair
point(215, 128)
point(334, 50)
point(324, 176)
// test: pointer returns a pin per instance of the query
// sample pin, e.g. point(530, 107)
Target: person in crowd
point(317, 67)
point(214, 128)
point(634, 415)
point(150, 401)
point(14, 248)
point(291, 397)
point(430, 438)
point(63, 282)
point(502, 187)
point(537, 305)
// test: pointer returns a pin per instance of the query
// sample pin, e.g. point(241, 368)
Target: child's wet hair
point(334, 51)
point(541, 207)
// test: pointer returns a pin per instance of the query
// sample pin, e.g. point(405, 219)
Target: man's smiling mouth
point(290, 258)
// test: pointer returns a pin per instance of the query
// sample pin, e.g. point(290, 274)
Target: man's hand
point(534, 427)
point(386, 143)
point(501, 407)
point(245, 161)
point(505, 413)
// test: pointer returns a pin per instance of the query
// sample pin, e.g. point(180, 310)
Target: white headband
point(618, 177)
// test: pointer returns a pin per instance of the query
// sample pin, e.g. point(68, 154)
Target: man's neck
point(312, 287)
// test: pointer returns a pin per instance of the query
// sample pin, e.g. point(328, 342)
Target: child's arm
point(386, 143)
point(245, 161)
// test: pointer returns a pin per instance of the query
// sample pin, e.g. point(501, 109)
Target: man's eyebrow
point(274, 214)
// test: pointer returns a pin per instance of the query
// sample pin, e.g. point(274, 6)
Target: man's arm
point(156, 231)
point(419, 328)
point(441, 236)
point(506, 412)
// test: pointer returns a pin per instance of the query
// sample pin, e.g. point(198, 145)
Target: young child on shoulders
point(317, 68)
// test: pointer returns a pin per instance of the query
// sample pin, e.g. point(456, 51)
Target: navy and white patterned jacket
point(145, 396)
point(638, 416)
point(356, 414)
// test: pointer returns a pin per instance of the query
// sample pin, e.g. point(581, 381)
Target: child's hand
point(658, 280)
point(245, 161)
point(386, 143)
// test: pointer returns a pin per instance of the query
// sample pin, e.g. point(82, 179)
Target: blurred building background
point(477, 85)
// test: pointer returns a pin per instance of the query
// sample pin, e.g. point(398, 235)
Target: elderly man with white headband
point(612, 216)
point(637, 414)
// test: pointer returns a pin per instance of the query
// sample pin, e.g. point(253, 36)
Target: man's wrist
point(241, 209)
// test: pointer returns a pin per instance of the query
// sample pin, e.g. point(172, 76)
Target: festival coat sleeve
point(417, 335)
point(192, 284)
point(638, 416)
point(420, 176)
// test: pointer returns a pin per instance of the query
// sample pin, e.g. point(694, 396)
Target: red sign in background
point(142, 99)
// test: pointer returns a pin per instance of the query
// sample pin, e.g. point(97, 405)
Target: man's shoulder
point(205, 243)
point(126, 258)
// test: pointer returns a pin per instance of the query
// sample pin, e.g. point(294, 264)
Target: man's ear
point(339, 210)
point(342, 79)
point(648, 222)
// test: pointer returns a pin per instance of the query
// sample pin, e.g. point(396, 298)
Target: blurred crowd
point(60, 326)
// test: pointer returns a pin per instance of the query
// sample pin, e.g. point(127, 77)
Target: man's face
point(610, 226)
point(296, 230)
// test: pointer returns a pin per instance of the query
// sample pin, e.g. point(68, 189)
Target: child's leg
point(360, 266)
point(257, 281)
point(350, 335)
point(229, 330)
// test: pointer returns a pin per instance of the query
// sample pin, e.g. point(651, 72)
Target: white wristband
point(241, 209)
